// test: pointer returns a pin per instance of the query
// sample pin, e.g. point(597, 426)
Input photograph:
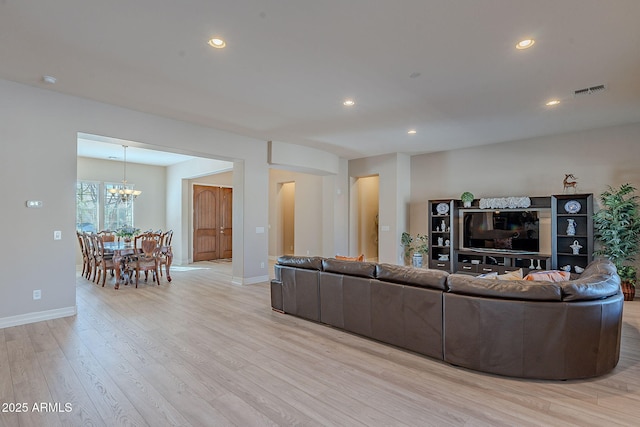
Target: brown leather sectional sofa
point(519, 328)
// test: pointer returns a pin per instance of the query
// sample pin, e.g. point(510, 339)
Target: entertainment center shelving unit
point(444, 227)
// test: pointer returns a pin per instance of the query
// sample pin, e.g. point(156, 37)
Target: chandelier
point(124, 192)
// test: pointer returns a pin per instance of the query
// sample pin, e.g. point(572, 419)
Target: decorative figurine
point(566, 268)
point(447, 242)
point(576, 246)
point(440, 241)
point(571, 228)
point(570, 181)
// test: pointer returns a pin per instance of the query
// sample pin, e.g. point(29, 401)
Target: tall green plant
point(617, 226)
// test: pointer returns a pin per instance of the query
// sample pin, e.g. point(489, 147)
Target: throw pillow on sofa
point(549, 276)
point(351, 258)
point(511, 275)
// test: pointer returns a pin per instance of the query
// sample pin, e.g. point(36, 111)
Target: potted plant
point(415, 247)
point(467, 199)
point(127, 232)
point(617, 229)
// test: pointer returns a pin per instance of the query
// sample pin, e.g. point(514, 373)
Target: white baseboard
point(249, 280)
point(23, 319)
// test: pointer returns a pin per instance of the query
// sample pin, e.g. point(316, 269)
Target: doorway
point(366, 191)
point(212, 223)
point(288, 210)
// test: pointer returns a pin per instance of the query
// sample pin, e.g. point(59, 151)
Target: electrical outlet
point(57, 235)
point(37, 294)
point(262, 265)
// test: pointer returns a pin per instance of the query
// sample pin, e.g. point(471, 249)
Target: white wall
point(395, 185)
point(38, 161)
point(308, 208)
point(533, 167)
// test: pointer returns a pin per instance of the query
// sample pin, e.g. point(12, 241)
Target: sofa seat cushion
point(349, 268)
point(306, 262)
point(504, 289)
point(427, 278)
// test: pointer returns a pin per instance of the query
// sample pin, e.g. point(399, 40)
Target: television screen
point(514, 231)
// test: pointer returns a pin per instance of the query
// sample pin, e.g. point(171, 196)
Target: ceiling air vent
point(589, 90)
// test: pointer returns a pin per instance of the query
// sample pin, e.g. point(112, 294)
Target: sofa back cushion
point(349, 268)
point(504, 289)
point(306, 262)
point(427, 278)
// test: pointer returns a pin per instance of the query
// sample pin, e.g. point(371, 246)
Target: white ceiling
point(446, 68)
point(106, 148)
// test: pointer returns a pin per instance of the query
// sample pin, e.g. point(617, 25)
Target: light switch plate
point(57, 235)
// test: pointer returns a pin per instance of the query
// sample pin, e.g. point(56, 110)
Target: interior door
point(212, 227)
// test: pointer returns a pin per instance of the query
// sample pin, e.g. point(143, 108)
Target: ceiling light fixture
point(124, 192)
point(412, 132)
point(349, 103)
point(525, 44)
point(49, 80)
point(217, 42)
point(553, 102)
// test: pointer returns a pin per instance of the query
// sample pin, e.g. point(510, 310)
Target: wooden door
point(212, 233)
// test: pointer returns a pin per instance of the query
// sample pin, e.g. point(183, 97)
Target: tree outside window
point(87, 206)
point(117, 213)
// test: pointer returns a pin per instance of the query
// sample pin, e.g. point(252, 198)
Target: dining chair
point(91, 255)
point(148, 259)
point(107, 235)
point(85, 253)
point(165, 253)
point(104, 261)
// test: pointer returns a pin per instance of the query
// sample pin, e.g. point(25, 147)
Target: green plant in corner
point(617, 229)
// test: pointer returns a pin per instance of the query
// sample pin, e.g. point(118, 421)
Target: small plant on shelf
point(467, 199)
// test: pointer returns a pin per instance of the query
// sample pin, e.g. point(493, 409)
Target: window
point(117, 213)
point(89, 198)
point(87, 206)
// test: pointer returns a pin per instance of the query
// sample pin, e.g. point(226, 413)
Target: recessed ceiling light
point(49, 80)
point(553, 102)
point(412, 132)
point(525, 44)
point(349, 103)
point(217, 42)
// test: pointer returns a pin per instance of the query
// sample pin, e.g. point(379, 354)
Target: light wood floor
point(203, 352)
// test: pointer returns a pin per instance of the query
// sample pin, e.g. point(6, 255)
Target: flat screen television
point(502, 231)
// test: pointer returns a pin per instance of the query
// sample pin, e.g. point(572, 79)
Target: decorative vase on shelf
point(576, 246)
point(571, 227)
point(417, 260)
point(440, 241)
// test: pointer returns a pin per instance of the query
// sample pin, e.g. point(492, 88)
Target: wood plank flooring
point(203, 352)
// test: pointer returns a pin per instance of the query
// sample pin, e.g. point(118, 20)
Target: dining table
point(124, 252)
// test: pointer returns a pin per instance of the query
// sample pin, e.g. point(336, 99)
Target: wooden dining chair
point(85, 253)
point(91, 255)
point(148, 259)
point(165, 253)
point(107, 235)
point(104, 262)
